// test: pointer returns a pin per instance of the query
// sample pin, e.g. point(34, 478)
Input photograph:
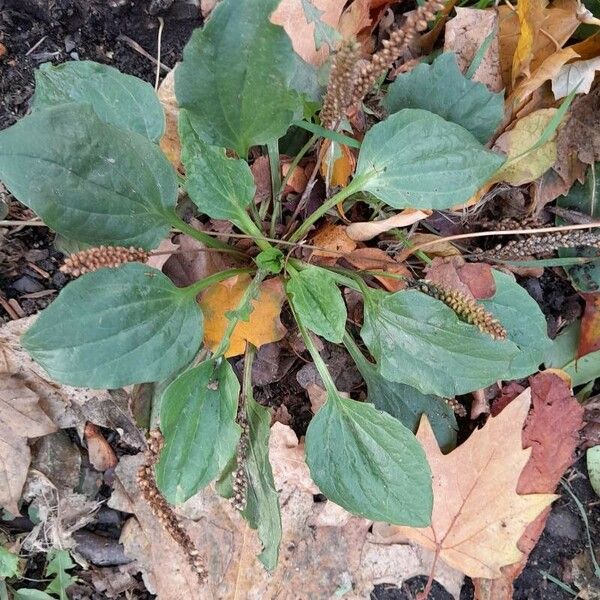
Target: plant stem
point(357, 356)
point(354, 187)
point(247, 374)
point(275, 165)
point(332, 392)
point(400, 235)
point(202, 284)
point(247, 225)
point(202, 237)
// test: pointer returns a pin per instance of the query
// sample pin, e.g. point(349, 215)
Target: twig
point(36, 45)
point(32, 223)
point(161, 25)
point(124, 38)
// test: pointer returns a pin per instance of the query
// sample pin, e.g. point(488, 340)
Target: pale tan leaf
point(575, 76)
point(465, 34)
point(375, 259)
point(169, 142)
point(438, 249)
point(367, 230)
point(478, 517)
point(522, 165)
point(15, 457)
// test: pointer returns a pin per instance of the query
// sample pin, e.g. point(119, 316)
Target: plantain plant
point(87, 161)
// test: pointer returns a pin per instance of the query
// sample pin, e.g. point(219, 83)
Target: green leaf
point(405, 403)
point(31, 594)
point(220, 187)
point(88, 180)
point(585, 199)
point(584, 369)
point(271, 260)
point(324, 33)
point(593, 465)
point(236, 77)
point(318, 302)
point(262, 500)
point(419, 341)
point(369, 463)
point(197, 419)
point(119, 99)
point(60, 561)
point(116, 327)
point(9, 563)
point(564, 346)
point(417, 159)
point(442, 89)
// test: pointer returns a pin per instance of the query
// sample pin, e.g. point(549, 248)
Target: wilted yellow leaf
point(478, 517)
point(531, 15)
point(338, 163)
point(263, 325)
point(517, 141)
point(169, 142)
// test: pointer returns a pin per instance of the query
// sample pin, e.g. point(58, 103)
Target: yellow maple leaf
point(531, 14)
point(478, 517)
point(263, 326)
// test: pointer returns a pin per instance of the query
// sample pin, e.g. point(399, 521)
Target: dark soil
point(37, 31)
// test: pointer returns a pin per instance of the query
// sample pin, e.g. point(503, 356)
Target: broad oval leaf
point(197, 419)
point(116, 327)
point(220, 187)
point(419, 341)
point(442, 89)
point(236, 74)
point(119, 99)
point(318, 302)
point(369, 463)
point(406, 403)
point(262, 500)
point(89, 180)
point(415, 158)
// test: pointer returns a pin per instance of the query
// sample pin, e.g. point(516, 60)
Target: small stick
point(124, 38)
point(9, 309)
point(33, 223)
point(161, 25)
point(36, 45)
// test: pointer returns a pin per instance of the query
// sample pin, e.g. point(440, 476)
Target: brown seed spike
point(93, 259)
point(466, 308)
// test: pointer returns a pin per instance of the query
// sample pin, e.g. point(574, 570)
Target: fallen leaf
point(517, 142)
point(344, 163)
point(261, 171)
point(438, 249)
point(367, 230)
point(290, 14)
point(332, 241)
point(206, 7)
point(465, 34)
point(475, 280)
point(531, 15)
point(102, 456)
point(162, 254)
point(297, 181)
point(263, 325)
point(324, 549)
point(375, 259)
point(21, 418)
point(356, 18)
point(577, 75)
point(170, 143)
point(552, 432)
point(589, 340)
point(590, 436)
point(482, 472)
point(559, 24)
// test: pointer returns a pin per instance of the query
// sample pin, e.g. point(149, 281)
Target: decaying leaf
point(523, 166)
point(577, 75)
point(482, 472)
point(332, 241)
point(338, 163)
point(101, 455)
point(367, 230)
point(552, 433)
point(589, 339)
point(325, 550)
point(374, 259)
point(465, 34)
point(263, 326)
point(170, 143)
point(531, 15)
point(438, 249)
point(475, 280)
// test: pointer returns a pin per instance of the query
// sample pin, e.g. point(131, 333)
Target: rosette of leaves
point(87, 162)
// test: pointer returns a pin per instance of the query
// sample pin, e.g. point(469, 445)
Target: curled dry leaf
point(552, 433)
point(577, 75)
point(333, 242)
point(367, 230)
point(338, 164)
point(482, 472)
point(374, 259)
point(101, 455)
point(524, 166)
point(589, 340)
point(298, 179)
point(264, 325)
point(475, 280)
point(465, 34)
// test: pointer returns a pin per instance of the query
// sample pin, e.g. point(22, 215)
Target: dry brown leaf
point(552, 432)
point(375, 259)
point(344, 163)
point(589, 339)
point(170, 143)
point(482, 472)
point(263, 326)
point(439, 249)
point(465, 34)
point(475, 280)
point(367, 230)
point(517, 142)
point(356, 18)
point(262, 178)
point(15, 457)
point(531, 15)
point(324, 549)
point(297, 181)
point(559, 24)
point(332, 241)
point(162, 254)
point(290, 15)
point(102, 456)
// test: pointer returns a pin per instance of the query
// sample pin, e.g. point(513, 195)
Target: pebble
point(27, 285)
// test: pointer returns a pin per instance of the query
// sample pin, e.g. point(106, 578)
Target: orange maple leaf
point(262, 327)
point(478, 517)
